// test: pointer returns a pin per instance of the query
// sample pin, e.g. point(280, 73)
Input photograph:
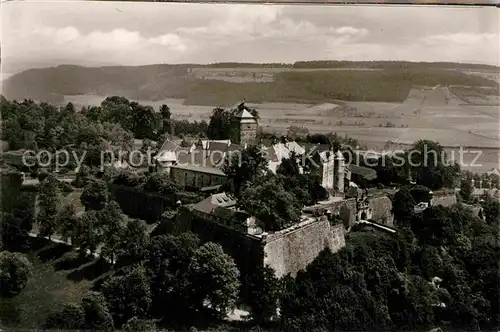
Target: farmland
point(380, 103)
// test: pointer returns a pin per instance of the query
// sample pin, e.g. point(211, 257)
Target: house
point(360, 174)
point(221, 208)
point(197, 177)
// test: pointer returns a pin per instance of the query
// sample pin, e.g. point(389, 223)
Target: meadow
point(52, 285)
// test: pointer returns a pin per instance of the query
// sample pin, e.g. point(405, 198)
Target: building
point(197, 177)
point(331, 168)
point(288, 251)
point(200, 165)
point(244, 127)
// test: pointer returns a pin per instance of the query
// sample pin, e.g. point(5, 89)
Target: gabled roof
point(277, 152)
point(295, 147)
point(168, 145)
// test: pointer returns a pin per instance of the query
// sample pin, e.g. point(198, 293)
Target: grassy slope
point(156, 82)
point(46, 291)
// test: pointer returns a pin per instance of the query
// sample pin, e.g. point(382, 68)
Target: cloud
point(134, 33)
point(118, 39)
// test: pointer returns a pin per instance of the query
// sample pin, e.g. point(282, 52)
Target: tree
point(430, 165)
point(466, 190)
point(111, 223)
point(15, 270)
point(135, 324)
point(244, 167)
point(403, 205)
point(271, 203)
point(118, 110)
point(264, 294)
point(86, 232)
point(162, 184)
point(491, 210)
point(219, 126)
point(144, 121)
point(131, 247)
point(128, 296)
point(168, 261)
point(95, 195)
point(214, 279)
point(70, 317)
point(66, 221)
point(49, 204)
point(168, 126)
point(289, 167)
point(97, 315)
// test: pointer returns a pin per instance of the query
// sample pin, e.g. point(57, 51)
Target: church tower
point(244, 127)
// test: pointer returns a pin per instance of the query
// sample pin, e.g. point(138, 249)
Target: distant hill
point(314, 81)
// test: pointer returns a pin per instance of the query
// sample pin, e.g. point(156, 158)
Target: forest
point(390, 82)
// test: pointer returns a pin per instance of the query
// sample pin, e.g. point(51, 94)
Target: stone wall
point(287, 251)
point(444, 198)
point(292, 251)
point(381, 210)
point(146, 206)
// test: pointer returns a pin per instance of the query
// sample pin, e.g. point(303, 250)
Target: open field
point(377, 102)
point(427, 113)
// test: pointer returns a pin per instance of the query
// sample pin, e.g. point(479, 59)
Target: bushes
point(15, 270)
point(71, 317)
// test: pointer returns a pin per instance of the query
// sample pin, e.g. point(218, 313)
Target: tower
point(244, 127)
point(339, 171)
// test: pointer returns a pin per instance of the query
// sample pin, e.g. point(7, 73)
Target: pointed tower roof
point(244, 116)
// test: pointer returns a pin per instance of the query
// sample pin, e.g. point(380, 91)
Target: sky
point(41, 34)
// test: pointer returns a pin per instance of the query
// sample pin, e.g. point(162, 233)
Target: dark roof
point(200, 169)
point(367, 173)
point(217, 146)
point(235, 147)
point(205, 206)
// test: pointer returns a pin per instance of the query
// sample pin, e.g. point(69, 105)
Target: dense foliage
point(15, 270)
point(381, 283)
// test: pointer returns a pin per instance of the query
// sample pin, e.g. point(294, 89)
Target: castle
point(199, 166)
point(217, 218)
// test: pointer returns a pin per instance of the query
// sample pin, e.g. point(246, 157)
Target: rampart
point(381, 210)
point(444, 198)
point(292, 250)
point(287, 251)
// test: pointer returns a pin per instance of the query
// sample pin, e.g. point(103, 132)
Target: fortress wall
point(292, 251)
point(444, 198)
point(382, 210)
point(346, 209)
